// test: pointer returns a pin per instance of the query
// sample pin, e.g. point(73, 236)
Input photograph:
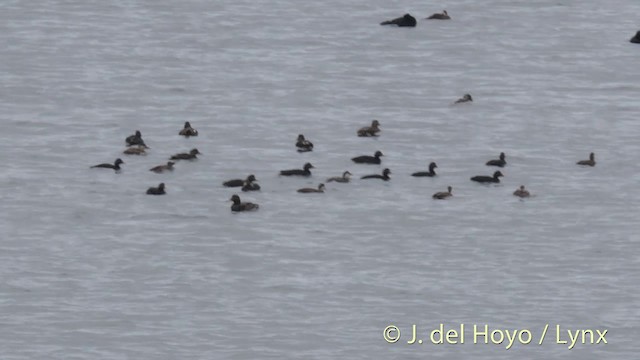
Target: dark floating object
point(345, 178)
point(188, 131)
point(135, 139)
point(240, 206)
point(250, 186)
point(384, 176)
point(156, 190)
point(366, 159)
point(303, 144)
point(115, 166)
point(636, 38)
point(297, 172)
point(443, 16)
point(404, 21)
point(139, 150)
point(521, 192)
point(239, 182)
point(590, 162)
point(369, 131)
point(465, 98)
point(430, 173)
point(443, 195)
point(191, 155)
point(320, 189)
point(162, 168)
point(498, 162)
point(488, 179)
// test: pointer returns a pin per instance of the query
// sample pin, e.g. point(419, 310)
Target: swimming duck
point(464, 99)
point(115, 166)
point(590, 162)
point(406, 20)
point(366, 159)
point(188, 131)
point(135, 139)
point(345, 178)
point(521, 192)
point(239, 182)
point(384, 176)
point(303, 144)
point(304, 172)
point(498, 162)
point(443, 195)
point(250, 186)
point(135, 151)
point(240, 206)
point(488, 179)
point(156, 190)
point(429, 173)
point(191, 155)
point(320, 189)
point(443, 16)
point(369, 131)
point(162, 168)
point(636, 38)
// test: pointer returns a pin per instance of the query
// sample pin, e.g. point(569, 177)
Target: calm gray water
point(92, 268)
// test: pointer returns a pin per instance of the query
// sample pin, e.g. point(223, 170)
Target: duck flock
point(136, 146)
